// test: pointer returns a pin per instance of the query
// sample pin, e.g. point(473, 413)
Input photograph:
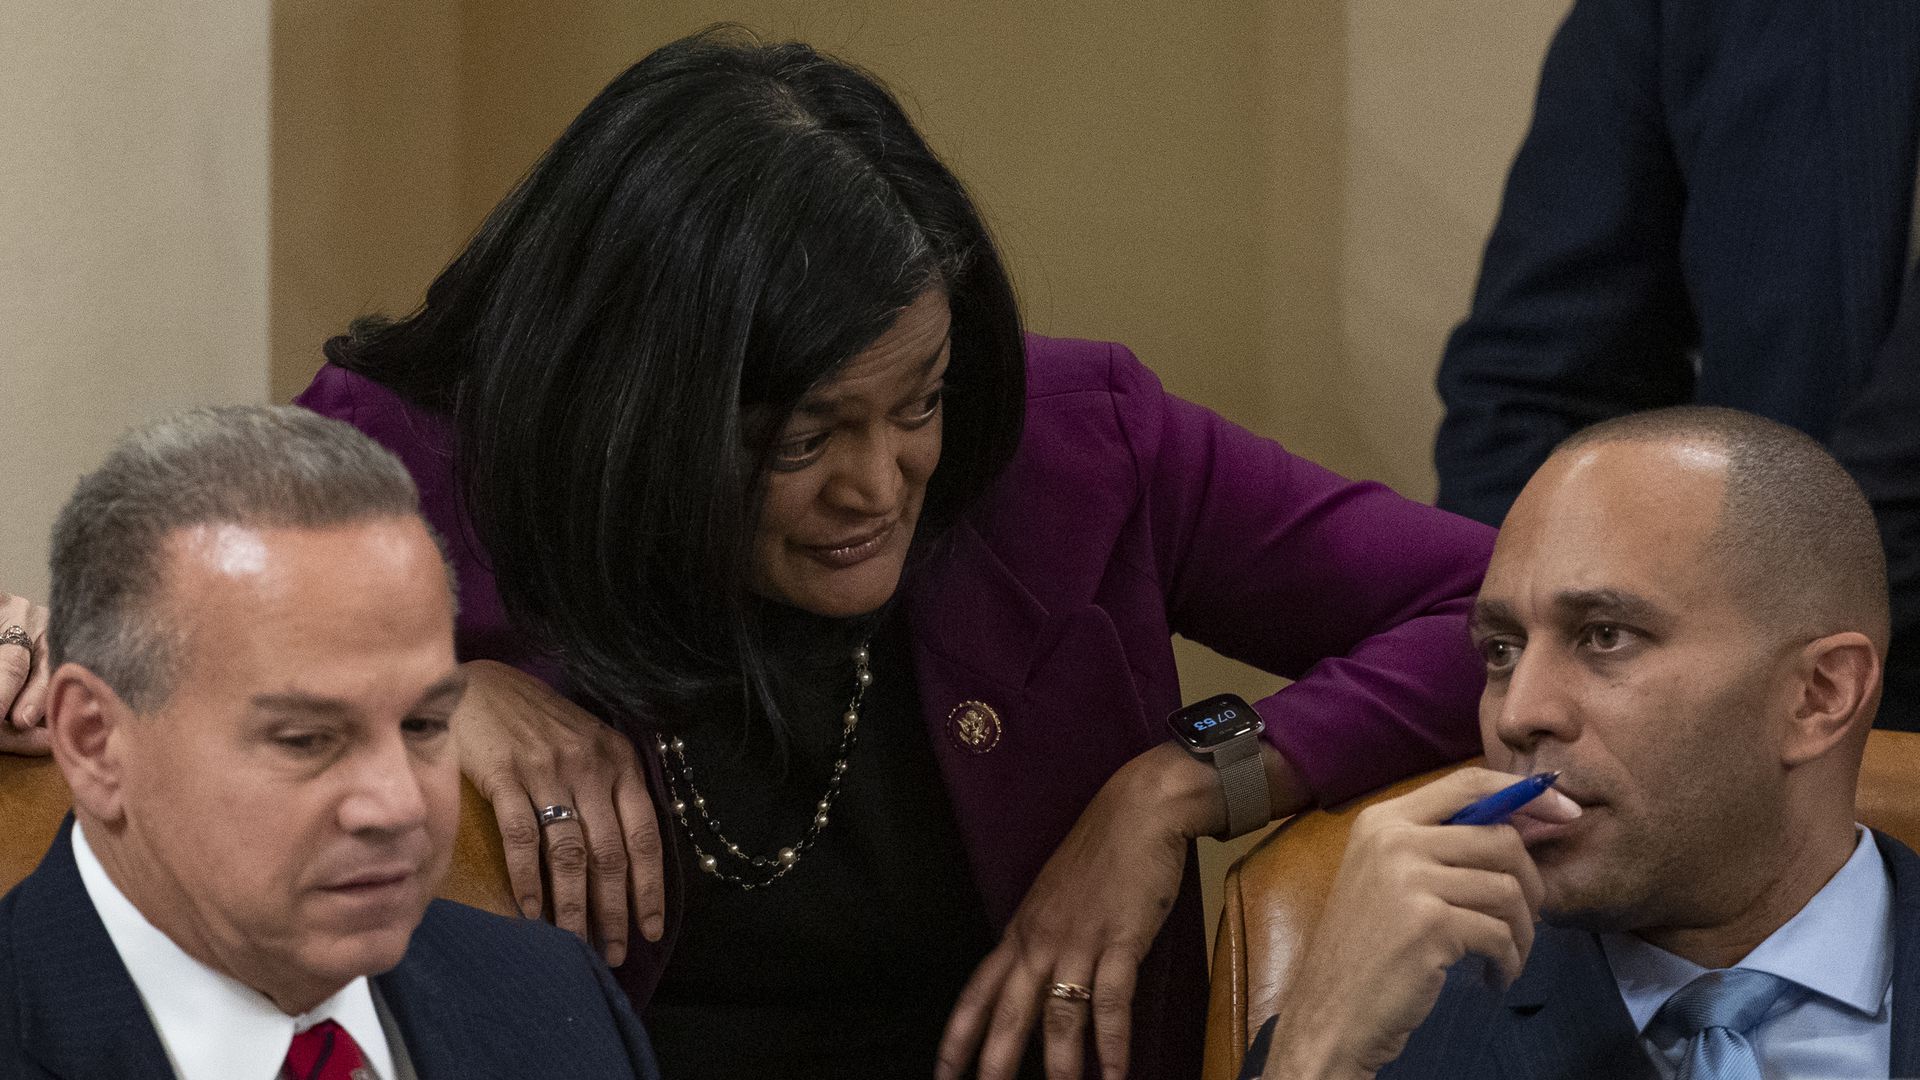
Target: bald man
point(1686, 617)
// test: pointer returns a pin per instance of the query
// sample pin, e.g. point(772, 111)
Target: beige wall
point(1279, 206)
point(1385, 189)
point(367, 170)
point(133, 235)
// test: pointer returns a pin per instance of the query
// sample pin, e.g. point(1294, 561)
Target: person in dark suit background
point(252, 639)
point(1713, 205)
point(1685, 617)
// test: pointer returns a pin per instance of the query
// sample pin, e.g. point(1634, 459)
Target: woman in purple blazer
point(818, 620)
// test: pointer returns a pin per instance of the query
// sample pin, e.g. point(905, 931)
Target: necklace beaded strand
point(758, 871)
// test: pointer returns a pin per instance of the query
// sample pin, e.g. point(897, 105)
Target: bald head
point(1684, 616)
point(1795, 544)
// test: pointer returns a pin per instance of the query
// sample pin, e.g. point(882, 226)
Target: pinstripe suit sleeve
point(1878, 440)
point(1581, 312)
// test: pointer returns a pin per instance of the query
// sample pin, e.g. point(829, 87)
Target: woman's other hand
point(23, 676)
point(526, 747)
point(1088, 921)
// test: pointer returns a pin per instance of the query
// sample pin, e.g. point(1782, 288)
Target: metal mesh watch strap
point(1243, 781)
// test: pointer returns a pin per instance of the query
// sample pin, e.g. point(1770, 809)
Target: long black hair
point(724, 226)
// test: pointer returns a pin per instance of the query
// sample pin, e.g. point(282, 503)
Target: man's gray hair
point(260, 466)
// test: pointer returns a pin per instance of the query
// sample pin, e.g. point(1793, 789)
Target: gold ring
point(1067, 991)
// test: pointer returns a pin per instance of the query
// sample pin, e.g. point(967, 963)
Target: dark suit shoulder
point(8, 904)
point(11, 1062)
point(1904, 867)
point(446, 917)
point(1454, 1036)
point(479, 995)
point(1904, 864)
point(15, 1062)
point(68, 1008)
point(457, 942)
point(1561, 1020)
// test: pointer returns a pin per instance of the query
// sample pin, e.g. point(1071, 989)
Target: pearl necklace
point(761, 870)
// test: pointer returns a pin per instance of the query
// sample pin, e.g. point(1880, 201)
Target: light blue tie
point(1715, 1012)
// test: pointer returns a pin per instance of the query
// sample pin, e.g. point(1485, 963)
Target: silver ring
point(557, 812)
point(1067, 991)
point(16, 635)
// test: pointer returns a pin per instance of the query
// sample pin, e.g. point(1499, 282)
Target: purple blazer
point(1041, 630)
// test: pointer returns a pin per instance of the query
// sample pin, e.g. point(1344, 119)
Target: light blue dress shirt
point(1837, 1021)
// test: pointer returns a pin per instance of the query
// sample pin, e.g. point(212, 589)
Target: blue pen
point(1496, 808)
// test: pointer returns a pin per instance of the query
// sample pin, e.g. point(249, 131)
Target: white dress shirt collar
point(212, 1026)
point(1851, 916)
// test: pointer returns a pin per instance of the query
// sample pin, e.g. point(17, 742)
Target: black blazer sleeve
point(1581, 312)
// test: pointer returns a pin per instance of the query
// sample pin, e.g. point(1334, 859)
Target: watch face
point(1219, 719)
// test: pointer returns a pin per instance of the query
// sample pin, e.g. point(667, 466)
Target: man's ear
point(1836, 687)
point(87, 723)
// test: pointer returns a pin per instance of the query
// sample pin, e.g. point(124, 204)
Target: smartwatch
point(1225, 730)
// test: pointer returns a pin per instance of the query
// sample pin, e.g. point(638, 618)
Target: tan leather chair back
point(34, 799)
point(1274, 894)
point(1889, 782)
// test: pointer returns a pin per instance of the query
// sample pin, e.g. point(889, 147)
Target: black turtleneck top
point(848, 966)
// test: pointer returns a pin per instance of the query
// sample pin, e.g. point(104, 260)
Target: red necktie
point(324, 1052)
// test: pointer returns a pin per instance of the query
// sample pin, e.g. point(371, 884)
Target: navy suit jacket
point(477, 996)
point(1720, 183)
point(1563, 1018)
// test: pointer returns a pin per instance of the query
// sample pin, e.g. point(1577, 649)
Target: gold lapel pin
point(974, 725)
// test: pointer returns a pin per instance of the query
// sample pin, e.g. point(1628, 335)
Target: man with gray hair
point(251, 635)
point(1684, 621)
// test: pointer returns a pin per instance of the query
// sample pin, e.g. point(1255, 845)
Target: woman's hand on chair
point(525, 747)
point(1086, 923)
point(23, 676)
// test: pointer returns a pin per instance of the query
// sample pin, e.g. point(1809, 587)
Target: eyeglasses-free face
point(849, 473)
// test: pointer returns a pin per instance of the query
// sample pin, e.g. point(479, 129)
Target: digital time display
point(1206, 724)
